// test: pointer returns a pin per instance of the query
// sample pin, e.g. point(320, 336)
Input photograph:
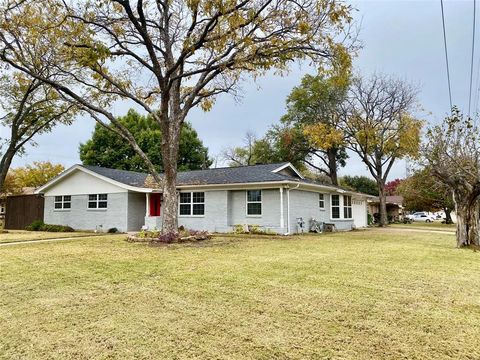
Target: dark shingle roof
point(228, 175)
point(220, 176)
point(131, 178)
point(232, 175)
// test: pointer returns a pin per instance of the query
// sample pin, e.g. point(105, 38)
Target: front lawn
point(22, 235)
point(376, 294)
point(436, 225)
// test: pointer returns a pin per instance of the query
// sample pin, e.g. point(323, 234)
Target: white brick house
point(273, 196)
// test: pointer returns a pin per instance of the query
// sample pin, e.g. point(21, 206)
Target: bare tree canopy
point(380, 127)
point(166, 56)
point(241, 155)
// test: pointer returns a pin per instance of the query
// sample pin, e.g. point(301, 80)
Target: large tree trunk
point(467, 209)
point(5, 163)
point(382, 196)
point(332, 165)
point(448, 216)
point(170, 146)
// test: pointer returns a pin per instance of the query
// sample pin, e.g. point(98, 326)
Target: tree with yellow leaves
point(314, 109)
point(380, 127)
point(166, 56)
point(31, 176)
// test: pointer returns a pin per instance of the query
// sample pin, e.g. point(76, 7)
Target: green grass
point(21, 235)
point(436, 225)
point(360, 295)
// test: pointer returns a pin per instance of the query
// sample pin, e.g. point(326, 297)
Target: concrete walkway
point(428, 231)
point(48, 240)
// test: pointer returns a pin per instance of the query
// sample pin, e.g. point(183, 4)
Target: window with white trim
point(347, 207)
point(97, 201)
point(2, 208)
point(321, 201)
point(192, 204)
point(63, 202)
point(335, 206)
point(254, 202)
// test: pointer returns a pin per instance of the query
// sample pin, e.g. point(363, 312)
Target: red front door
point(155, 204)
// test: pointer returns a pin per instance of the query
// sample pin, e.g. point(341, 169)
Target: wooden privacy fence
point(22, 210)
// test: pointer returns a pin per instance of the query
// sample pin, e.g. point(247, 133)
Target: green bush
point(35, 226)
point(239, 229)
point(370, 219)
point(39, 225)
point(113, 230)
point(56, 228)
point(252, 229)
point(256, 229)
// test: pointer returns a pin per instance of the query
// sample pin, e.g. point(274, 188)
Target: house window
point(335, 206)
point(192, 203)
point(347, 207)
point(63, 202)
point(254, 202)
point(321, 201)
point(97, 201)
point(2, 208)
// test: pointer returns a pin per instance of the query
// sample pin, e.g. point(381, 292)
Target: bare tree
point(241, 155)
point(452, 151)
point(165, 56)
point(380, 128)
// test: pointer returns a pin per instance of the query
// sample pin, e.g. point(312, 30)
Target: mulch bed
point(158, 242)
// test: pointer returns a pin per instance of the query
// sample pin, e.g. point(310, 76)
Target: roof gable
point(289, 170)
point(232, 175)
point(110, 176)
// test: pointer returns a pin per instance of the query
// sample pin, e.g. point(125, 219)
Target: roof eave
point(272, 184)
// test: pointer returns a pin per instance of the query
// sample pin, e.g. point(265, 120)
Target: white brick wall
point(81, 218)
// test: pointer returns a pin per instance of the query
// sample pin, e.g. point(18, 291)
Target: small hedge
point(39, 225)
point(252, 229)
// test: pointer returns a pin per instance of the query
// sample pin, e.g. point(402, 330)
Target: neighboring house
point(395, 209)
point(273, 196)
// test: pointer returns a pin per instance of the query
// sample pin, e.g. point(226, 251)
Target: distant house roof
point(265, 173)
point(392, 199)
point(395, 199)
point(28, 190)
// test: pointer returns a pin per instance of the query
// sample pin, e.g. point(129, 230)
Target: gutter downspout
point(288, 207)
point(282, 220)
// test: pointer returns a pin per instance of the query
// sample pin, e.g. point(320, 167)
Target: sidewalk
point(47, 240)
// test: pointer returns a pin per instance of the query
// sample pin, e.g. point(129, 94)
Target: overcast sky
point(403, 38)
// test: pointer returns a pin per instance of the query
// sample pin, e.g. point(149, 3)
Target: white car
point(421, 216)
